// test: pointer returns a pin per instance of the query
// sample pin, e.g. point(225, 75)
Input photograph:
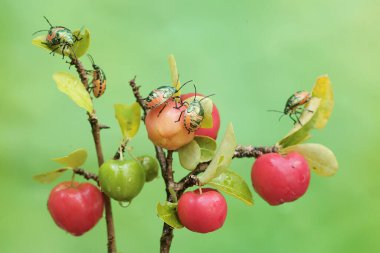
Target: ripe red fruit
point(210, 132)
point(279, 179)
point(202, 212)
point(164, 131)
point(75, 207)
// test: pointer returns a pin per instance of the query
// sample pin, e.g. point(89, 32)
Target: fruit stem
point(72, 179)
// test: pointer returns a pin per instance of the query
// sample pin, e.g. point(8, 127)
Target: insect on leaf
point(129, 117)
point(80, 47)
point(72, 87)
point(231, 183)
point(320, 159)
point(301, 132)
point(323, 90)
point(73, 160)
point(190, 155)
point(222, 158)
point(167, 212)
point(50, 176)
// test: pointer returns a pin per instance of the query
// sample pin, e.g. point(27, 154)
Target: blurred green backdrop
point(253, 55)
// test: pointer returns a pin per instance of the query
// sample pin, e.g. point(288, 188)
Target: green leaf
point(301, 132)
point(129, 117)
point(80, 47)
point(72, 87)
point(167, 212)
point(190, 155)
point(50, 176)
point(323, 90)
point(222, 158)
point(73, 160)
point(231, 183)
point(321, 159)
point(207, 146)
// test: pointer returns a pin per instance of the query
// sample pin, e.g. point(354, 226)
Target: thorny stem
point(190, 179)
point(95, 129)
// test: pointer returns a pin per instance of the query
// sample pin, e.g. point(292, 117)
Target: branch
point(86, 174)
point(251, 151)
point(95, 129)
point(139, 98)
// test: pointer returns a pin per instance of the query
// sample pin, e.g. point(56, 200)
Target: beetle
point(99, 79)
point(193, 114)
point(293, 105)
point(57, 37)
point(160, 96)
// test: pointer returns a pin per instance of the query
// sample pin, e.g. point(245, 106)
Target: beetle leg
point(179, 118)
point(53, 51)
point(290, 116)
point(76, 38)
point(158, 115)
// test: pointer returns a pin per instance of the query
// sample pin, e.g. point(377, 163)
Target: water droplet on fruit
point(124, 204)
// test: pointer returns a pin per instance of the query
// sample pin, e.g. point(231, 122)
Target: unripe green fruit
point(150, 165)
point(121, 180)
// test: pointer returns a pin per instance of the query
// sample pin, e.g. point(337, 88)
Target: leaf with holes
point(73, 160)
point(167, 212)
point(50, 176)
point(320, 159)
point(129, 117)
point(222, 158)
point(80, 47)
point(231, 183)
point(72, 87)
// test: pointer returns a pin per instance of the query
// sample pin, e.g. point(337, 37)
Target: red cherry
point(163, 128)
point(75, 207)
point(202, 212)
point(210, 132)
point(279, 179)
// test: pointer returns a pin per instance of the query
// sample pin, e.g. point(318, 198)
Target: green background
point(253, 55)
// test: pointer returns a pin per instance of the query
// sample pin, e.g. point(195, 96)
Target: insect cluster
point(193, 114)
point(60, 37)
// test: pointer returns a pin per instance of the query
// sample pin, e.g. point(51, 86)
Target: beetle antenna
point(184, 84)
point(39, 31)
point(48, 21)
point(91, 59)
point(195, 88)
point(275, 111)
point(206, 97)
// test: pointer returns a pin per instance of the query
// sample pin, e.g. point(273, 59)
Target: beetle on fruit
point(194, 113)
point(160, 96)
point(99, 79)
point(294, 103)
point(59, 36)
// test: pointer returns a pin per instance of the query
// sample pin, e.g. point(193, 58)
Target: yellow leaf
point(72, 87)
point(174, 74)
point(129, 117)
point(320, 159)
point(323, 90)
point(73, 160)
point(50, 176)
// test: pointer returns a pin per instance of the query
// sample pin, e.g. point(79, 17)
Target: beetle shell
point(58, 35)
point(193, 116)
point(159, 96)
point(297, 99)
point(99, 81)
